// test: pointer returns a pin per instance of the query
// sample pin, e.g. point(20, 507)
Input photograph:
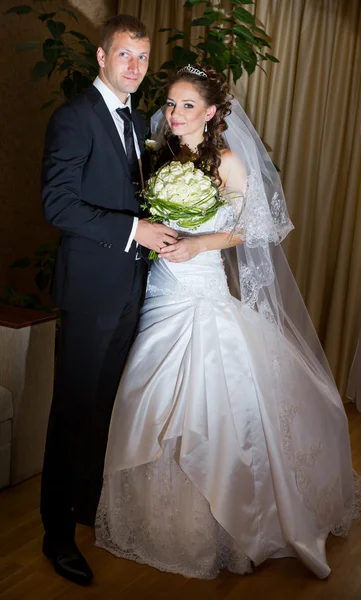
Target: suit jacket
point(87, 192)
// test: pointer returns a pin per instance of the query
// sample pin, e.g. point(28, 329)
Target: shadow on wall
point(22, 124)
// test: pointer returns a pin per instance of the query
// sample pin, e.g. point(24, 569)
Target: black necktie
point(133, 163)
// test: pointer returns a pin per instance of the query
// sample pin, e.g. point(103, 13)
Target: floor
point(26, 574)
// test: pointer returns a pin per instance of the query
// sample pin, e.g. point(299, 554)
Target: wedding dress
point(228, 442)
point(200, 474)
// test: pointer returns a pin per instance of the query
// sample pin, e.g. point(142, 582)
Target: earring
point(205, 127)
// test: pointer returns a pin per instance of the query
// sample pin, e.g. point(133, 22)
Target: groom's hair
point(121, 24)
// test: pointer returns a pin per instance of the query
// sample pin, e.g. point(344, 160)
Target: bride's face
point(186, 111)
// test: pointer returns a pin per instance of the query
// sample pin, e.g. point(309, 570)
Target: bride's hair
point(214, 90)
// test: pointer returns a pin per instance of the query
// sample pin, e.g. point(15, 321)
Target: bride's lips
point(176, 124)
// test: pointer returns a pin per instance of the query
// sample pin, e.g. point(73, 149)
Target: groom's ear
point(101, 56)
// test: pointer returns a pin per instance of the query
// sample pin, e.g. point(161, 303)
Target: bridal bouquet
point(183, 194)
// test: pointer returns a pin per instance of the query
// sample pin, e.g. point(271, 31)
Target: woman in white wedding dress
point(228, 442)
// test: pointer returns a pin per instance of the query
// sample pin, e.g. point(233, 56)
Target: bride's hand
point(182, 250)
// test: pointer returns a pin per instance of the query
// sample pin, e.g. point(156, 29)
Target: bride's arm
point(233, 178)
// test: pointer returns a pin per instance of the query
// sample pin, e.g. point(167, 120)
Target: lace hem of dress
point(154, 515)
point(144, 558)
point(331, 511)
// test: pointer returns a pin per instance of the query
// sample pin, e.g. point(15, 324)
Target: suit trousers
point(91, 355)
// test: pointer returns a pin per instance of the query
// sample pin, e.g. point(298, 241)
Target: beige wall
point(22, 126)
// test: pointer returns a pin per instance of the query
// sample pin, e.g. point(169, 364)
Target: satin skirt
point(225, 448)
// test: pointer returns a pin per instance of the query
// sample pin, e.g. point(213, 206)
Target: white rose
point(151, 145)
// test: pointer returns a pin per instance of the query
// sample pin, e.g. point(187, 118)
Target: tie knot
point(124, 113)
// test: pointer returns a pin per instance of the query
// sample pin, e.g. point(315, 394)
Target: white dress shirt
point(113, 102)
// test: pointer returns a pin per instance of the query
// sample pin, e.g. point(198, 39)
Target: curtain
point(307, 109)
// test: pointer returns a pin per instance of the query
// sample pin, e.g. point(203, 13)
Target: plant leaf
point(45, 250)
point(89, 47)
point(36, 45)
point(78, 35)
point(42, 280)
point(47, 104)
point(201, 21)
point(45, 16)
point(168, 64)
point(52, 50)
point(71, 13)
point(169, 29)
point(56, 28)
point(183, 56)
point(272, 58)
point(194, 2)
point(236, 71)
point(241, 14)
point(244, 32)
point(21, 263)
point(174, 38)
point(22, 9)
point(40, 69)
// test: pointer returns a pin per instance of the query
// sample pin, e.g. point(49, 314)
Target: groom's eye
point(123, 54)
point(143, 57)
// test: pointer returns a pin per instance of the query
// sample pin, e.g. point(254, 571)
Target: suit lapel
point(106, 119)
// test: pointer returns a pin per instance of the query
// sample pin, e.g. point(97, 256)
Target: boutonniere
point(151, 145)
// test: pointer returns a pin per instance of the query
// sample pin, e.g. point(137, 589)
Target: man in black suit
point(91, 178)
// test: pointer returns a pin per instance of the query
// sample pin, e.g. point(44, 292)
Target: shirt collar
point(111, 100)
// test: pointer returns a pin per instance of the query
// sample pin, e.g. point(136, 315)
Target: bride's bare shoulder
point(231, 169)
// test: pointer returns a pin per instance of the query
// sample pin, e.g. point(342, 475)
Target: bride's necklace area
point(193, 152)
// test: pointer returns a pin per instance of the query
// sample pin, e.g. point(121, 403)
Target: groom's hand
point(154, 236)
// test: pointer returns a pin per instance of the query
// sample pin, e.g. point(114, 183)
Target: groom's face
point(124, 66)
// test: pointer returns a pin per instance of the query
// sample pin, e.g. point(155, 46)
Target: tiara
point(193, 71)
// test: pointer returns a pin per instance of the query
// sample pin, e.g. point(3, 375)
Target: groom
point(91, 179)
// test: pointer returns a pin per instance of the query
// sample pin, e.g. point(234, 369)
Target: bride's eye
point(188, 106)
point(169, 103)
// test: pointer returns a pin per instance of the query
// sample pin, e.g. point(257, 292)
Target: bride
point(228, 442)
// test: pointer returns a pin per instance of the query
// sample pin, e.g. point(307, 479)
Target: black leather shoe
point(67, 560)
